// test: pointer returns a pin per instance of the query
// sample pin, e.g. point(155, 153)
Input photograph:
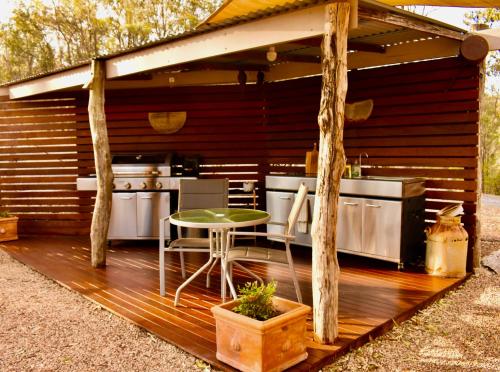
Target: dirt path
point(45, 327)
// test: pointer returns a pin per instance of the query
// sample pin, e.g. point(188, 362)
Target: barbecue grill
point(142, 187)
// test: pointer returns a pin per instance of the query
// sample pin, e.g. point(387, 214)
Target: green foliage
point(490, 143)
point(489, 17)
point(256, 300)
point(5, 214)
point(44, 35)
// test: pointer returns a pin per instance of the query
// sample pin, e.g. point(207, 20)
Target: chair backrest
point(298, 204)
point(200, 194)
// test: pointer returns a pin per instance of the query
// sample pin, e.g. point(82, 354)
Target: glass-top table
point(218, 221)
point(219, 218)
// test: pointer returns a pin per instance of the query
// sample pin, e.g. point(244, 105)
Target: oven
point(142, 194)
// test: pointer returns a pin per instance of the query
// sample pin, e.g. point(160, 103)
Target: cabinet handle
point(285, 198)
point(353, 204)
point(125, 197)
point(146, 197)
point(374, 206)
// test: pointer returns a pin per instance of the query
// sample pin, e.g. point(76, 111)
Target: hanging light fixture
point(242, 78)
point(271, 54)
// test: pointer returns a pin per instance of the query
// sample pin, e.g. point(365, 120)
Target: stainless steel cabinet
point(304, 237)
point(349, 223)
point(382, 228)
point(124, 208)
point(151, 206)
point(279, 204)
point(370, 227)
point(136, 215)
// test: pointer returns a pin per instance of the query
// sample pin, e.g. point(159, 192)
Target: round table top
point(219, 218)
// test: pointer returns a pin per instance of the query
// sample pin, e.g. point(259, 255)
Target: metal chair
point(193, 194)
point(237, 254)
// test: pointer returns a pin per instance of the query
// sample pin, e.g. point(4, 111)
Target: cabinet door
point(151, 206)
point(303, 232)
point(123, 224)
point(349, 219)
point(382, 227)
point(279, 205)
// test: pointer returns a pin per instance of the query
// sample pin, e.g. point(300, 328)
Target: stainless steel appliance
point(142, 189)
point(378, 217)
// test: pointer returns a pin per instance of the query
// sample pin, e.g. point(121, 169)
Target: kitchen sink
point(385, 178)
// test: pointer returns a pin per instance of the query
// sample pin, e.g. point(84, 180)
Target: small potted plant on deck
point(259, 331)
point(8, 226)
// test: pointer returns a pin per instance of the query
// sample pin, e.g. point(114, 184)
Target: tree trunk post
point(476, 239)
point(102, 158)
point(331, 163)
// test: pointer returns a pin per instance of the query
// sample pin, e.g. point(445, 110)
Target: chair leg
point(162, 272)
point(250, 272)
point(183, 268)
point(161, 252)
point(293, 274)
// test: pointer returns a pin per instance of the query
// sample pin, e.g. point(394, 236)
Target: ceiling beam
point(223, 66)
point(351, 45)
point(61, 80)
point(407, 22)
point(400, 53)
point(274, 30)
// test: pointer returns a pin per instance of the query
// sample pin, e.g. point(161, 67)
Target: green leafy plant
point(256, 300)
point(5, 214)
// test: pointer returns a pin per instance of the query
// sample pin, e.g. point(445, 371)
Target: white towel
point(303, 219)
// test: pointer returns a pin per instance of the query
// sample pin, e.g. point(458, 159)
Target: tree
point(41, 35)
point(490, 142)
point(24, 47)
point(489, 17)
point(490, 107)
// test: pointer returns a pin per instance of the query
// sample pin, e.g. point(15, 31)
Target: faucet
point(363, 153)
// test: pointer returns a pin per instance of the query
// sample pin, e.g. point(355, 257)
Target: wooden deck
point(373, 294)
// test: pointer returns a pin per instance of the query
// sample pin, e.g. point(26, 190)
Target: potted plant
point(259, 331)
point(8, 226)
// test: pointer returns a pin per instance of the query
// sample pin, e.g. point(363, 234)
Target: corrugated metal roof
point(455, 3)
point(369, 31)
point(238, 9)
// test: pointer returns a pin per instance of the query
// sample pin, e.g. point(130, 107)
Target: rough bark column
point(331, 163)
point(102, 158)
point(476, 243)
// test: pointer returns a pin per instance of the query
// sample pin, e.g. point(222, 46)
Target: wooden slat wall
point(424, 124)
point(224, 126)
point(38, 166)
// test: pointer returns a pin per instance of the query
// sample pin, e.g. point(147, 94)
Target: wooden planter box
point(8, 228)
point(271, 345)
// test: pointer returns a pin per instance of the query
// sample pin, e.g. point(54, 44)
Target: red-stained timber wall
point(424, 123)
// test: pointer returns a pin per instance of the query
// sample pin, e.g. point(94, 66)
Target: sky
point(450, 15)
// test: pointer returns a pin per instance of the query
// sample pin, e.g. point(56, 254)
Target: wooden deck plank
point(373, 294)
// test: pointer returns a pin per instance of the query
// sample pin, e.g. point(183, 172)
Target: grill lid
point(141, 165)
point(141, 159)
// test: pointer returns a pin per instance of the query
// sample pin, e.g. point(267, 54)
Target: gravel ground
point(45, 327)
point(461, 332)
